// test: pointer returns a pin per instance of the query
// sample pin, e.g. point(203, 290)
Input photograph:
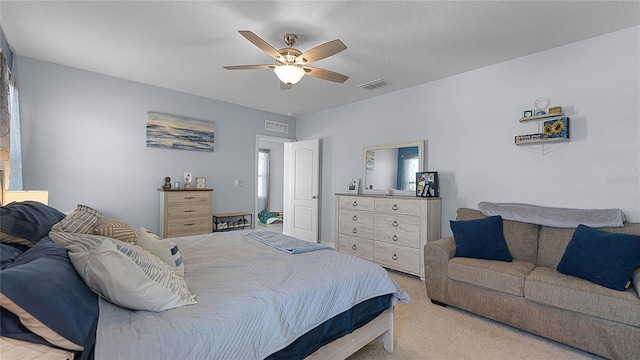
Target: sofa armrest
point(436, 260)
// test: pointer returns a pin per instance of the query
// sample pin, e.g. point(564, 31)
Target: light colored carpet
point(423, 330)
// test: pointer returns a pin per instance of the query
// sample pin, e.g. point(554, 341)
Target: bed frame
point(380, 328)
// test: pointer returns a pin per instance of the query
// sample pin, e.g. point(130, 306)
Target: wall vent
point(373, 84)
point(270, 125)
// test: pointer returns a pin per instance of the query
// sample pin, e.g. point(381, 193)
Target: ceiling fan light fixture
point(289, 74)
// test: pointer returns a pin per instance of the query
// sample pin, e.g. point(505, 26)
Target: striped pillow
point(123, 273)
point(76, 242)
point(166, 250)
point(116, 229)
point(83, 220)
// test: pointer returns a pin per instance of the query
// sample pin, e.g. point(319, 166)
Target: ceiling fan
point(291, 64)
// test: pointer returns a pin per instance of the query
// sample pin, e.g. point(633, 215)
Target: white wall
point(469, 122)
point(84, 141)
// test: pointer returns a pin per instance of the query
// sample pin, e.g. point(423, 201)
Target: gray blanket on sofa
point(554, 217)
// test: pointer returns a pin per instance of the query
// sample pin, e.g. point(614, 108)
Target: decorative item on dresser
point(185, 212)
point(389, 230)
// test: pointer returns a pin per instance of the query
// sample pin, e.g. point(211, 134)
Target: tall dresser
point(389, 230)
point(185, 212)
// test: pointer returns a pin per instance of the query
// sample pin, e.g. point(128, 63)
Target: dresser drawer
point(355, 217)
point(187, 197)
point(398, 206)
point(356, 202)
point(359, 230)
point(397, 237)
point(356, 246)
point(398, 222)
point(175, 211)
point(397, 257)
point(188, 226)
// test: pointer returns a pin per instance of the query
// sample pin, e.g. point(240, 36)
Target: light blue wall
point(469, 122)
point(84, 141)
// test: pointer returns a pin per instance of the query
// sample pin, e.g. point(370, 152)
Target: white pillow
point(130, 277)
point(166, 250)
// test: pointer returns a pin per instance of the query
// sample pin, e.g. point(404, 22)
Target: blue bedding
point(286, 243)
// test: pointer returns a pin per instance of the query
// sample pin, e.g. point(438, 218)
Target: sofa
point(530, 293)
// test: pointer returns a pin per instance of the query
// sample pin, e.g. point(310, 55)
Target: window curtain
point(263, 180)
point(10, 148)
point(5, 121)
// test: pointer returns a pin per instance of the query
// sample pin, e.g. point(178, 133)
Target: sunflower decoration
point(555, 128)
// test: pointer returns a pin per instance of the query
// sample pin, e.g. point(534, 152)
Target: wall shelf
point(542, 117)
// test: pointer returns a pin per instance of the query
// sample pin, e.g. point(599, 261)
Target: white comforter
point(253, 300)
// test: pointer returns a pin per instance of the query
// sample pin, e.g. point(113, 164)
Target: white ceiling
point(183, 45)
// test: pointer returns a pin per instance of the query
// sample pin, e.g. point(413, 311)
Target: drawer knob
point(189, 197)
point(394, 257)
point(394, 223)
point(394, 207)
point(189, 211)
point(355, 203)
point(354, 218)
point(355, 231)
point(353, 247)
point(394, 238)
point(190, 224)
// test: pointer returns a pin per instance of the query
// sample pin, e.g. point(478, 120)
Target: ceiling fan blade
point(284, 86)
point(249, 67)
point(325, 74)
point(320, 52)
point(263, 45)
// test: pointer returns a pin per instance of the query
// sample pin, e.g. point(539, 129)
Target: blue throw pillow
point(43, 288)
point(29, 220)
point(481, 239)
point(605, 258)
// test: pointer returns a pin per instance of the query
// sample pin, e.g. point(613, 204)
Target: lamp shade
point(289, 74)
point(25, 195)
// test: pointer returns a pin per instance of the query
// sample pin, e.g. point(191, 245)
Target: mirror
point(392, 166)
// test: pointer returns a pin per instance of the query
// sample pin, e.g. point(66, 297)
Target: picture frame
point(201, 182)
point(353, 185)
point(527, 113)
point(427, 184)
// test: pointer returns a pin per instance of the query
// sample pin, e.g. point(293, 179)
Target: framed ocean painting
point(177, 132)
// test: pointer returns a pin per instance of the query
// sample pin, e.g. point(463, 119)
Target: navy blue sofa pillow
point(44, 283)
point(481, 239)
point(605, 258)
point(29, 220)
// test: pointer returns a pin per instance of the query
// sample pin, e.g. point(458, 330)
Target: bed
point(250, 296)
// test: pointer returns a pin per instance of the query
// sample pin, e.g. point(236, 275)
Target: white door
point(302, 176)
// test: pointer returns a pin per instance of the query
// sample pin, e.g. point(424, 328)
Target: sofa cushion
point(507, 277)
point(481, 239)
point(549, 287)
point(605, 258)
point(553, 241)
point(521, 238)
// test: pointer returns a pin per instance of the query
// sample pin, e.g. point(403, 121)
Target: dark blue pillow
point(8, 254)
point(605, 258)
point(29, 220)
point(44, 283)
point(480, 239)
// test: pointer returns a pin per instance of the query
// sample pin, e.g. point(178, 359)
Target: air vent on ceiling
point(270, 125)
point(373, 84)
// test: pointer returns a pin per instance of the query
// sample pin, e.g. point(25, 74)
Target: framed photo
point(427, 184)
point(527, 113)
point(201, 183)
point(353, 185)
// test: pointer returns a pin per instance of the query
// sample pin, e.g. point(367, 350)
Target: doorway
point(270, 175)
